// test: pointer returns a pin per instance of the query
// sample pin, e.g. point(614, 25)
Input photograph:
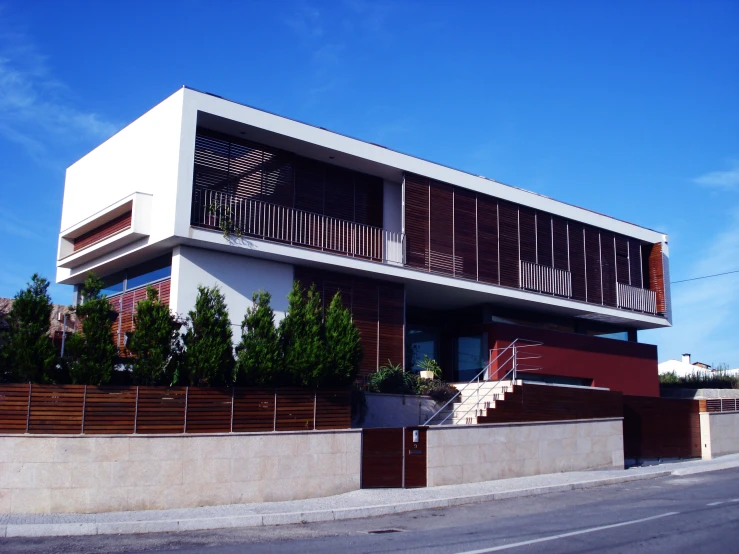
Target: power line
point(705, 277)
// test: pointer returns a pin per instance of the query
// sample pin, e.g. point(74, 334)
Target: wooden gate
point(391, 458)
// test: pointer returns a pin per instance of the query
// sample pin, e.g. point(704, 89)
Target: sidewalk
point(353, 505)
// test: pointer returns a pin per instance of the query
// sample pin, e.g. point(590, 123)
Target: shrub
point(717, 379)
point(392, 379)
point(437, 389)
point(92, 352)
point(28, 353)
point(343, 346)
point(155, 341)
point(258, 355)
point(302, 337)
point(208, 342)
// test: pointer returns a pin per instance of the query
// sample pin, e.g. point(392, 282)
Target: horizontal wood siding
point(465, 234)
point(107, 229)
point(441, 233)
point(661, 428)
point(508, 244)
point(608, 267)
point(417, 221)
point(592, 265)
point(544, 244)
point(76, 409)
point(487, 249)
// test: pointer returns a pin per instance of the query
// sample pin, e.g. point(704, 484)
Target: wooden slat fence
point(81, 409)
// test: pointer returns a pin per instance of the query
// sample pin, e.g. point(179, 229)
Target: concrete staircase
point(474, 401)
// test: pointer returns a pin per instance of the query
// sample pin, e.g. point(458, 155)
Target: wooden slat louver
point(527, 233)
point(417, 221)
point(622, 260)
point(544, 244)
point(560, 249)
point(592, 265)
point(278, 178)
point(441, 228)
point(657, 276)
point(577, 260)
point(465, 234)
point(368, 194)
point(245, 171)
point(339, 193)
point(310, 177)
point(365, 313)
point(391, 319)
point(103, 231)
point(636, 264)
point(14, 407)
point(508, 236)
point(608, 267)
point(487, 249)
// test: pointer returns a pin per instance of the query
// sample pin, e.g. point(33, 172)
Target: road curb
point(259, 520)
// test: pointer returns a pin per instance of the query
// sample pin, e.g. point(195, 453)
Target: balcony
point(253, 218)
point(547, 280)
point(637, 299)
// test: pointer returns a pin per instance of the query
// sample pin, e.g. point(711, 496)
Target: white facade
point(151, 162)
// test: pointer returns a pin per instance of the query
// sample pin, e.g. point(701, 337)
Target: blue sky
point(626, 108)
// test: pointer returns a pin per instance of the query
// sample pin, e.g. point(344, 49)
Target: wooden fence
point(82, 409)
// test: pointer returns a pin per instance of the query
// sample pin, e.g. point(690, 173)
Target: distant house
point(685, 367)
point(57, 323)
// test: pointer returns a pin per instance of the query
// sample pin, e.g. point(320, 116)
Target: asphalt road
point(699, 513)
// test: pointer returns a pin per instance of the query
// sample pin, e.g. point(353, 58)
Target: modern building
point(431, 260)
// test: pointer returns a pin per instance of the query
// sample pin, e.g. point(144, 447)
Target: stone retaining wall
point(48, 474)
point(719, 434)
point(475, 453)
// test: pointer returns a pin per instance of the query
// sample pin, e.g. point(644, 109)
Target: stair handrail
point(512, 345)
point(514, 358)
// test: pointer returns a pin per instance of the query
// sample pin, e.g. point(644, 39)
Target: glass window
point(113, 284)
point(421, 341)
point(149, 272)
point(470, 360)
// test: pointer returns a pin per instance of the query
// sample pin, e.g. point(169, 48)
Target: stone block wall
point(719, 434)
point(475, 453)
point(84, 474)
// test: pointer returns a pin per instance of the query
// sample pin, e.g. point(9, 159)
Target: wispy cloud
point(36, 109)
point(706, 311)
point(306, 22)
point(724, 180)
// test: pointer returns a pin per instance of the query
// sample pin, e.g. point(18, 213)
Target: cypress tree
point(302, 337)
point(258, 355)
point(154, 341)
point(28, 354)
point(92, 352)
point(343, 346)
point(208, 342)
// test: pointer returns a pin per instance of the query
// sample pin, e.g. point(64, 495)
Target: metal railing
point(635, 298)
point(254, 218)
point(548, 280)
point(722, 405)
point(510, 354)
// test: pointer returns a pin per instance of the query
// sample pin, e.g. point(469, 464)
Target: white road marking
point(734, 500)
point(564, 535)
point(716, 503)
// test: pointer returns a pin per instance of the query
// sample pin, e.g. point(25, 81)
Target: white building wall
point(238, 277)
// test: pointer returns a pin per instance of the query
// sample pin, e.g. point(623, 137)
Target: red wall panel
point(629, 367)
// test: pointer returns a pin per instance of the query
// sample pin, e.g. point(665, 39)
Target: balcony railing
point(634, 298)
point(545, 279)
point(254, 218)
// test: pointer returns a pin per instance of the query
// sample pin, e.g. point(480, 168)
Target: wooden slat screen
point(487, 250)
point(417, 221)
point(254, 410)
point(661, 428)
point(14, 407)
point(544, 244)
point(161, 410)
point(623, 274)
point(125, 304)
point(465, 234)
point(508, 244)
point(382, 458)
point(75, 409)
point(441, 232)
point(391, 319)
point(488, 238)
point(107, 229)
point(209, 410)
point(295, 410)
point(365, 311)
point(577, 261)
point(56, 409)
point(527, 234)
point(608, 267)
point(592, 265)
point(657, 276)
point(110, 410)
point(560, 244)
